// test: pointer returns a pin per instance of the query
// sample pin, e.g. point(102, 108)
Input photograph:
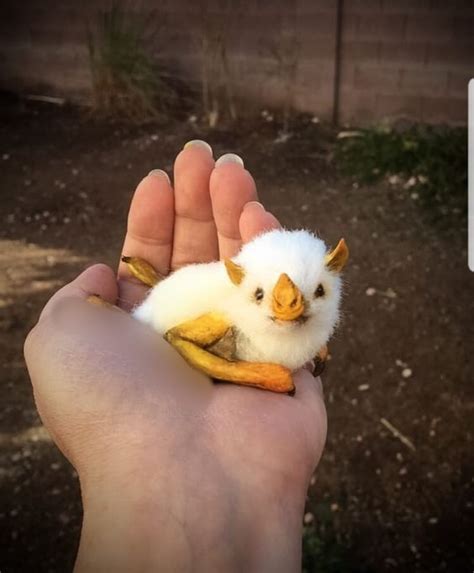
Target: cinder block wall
point(399, 59)
point(407, 58)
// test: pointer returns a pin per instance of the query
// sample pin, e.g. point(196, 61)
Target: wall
point(401, 59)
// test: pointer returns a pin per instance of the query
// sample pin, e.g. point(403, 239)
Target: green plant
point(217, 73)
point(431, 161)
point(323, 550)
point(285, 54)
point(126, 80)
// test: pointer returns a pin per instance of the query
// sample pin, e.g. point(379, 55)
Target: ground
point(402, 355)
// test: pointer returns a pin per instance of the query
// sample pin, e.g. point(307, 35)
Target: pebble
point(406, 372)
point(64, 518)
point(363, 387)
point(370, 291)
point(308, 518)
point(6, 156)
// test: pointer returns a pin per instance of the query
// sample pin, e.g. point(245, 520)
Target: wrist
point(153, 521)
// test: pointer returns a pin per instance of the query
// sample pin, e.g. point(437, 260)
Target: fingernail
point(199, 143)
point(230, 158)
point(256, 203)
point(160, 172)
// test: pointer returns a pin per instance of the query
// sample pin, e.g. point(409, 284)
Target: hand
point(176, 473)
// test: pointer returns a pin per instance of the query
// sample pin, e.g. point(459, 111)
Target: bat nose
point(287, 300)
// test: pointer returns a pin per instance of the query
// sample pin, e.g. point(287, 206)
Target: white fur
point(197, 289)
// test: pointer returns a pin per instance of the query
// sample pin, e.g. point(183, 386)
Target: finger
point(254, 220)
point(96, 280)
point(149, 232)
point(231, 187)
point(195, 235)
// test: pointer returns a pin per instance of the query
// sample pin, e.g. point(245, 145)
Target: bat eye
point(319, 292)
point(259, 294)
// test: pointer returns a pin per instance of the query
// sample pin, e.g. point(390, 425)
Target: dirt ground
point(403, 354)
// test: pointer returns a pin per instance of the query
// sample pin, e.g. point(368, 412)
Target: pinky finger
point(255, 220)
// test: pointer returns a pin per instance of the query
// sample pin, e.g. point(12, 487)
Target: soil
point(403, 354)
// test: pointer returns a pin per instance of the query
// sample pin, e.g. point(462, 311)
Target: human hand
point(175, 472)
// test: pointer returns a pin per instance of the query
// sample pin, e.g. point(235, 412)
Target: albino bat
point(277, 302)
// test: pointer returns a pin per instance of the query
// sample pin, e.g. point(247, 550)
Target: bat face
point(306, 294)
point(289, 287)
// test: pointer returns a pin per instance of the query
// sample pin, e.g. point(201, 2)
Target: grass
point(323, 550)
point(429, 162)
point(127, 82)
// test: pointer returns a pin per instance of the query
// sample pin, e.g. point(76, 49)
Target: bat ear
point(337, 258)
point(236, 272)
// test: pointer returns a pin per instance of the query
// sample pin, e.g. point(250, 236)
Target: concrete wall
point(399, 59)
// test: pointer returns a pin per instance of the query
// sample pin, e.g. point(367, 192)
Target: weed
point(430, 162)
point(127, 82)
point(323, 550)
point(217, 73)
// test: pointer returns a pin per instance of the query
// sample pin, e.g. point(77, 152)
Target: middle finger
point(195, 234)
point(232, 187)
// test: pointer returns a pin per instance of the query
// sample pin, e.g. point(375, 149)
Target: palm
point(265, 424)
point(141, 388)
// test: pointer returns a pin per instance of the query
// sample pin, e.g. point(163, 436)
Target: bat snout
point(287, 301)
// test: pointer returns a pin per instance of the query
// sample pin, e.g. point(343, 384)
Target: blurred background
point(352, 117)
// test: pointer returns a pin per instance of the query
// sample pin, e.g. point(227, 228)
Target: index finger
point(149, 233)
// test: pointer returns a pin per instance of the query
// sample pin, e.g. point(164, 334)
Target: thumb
point(98, 279)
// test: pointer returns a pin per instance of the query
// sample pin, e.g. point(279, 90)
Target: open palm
point(119, 401)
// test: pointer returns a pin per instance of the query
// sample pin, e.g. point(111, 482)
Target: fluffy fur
point(198, 289)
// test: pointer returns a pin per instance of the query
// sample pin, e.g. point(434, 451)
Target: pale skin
point(176, 473)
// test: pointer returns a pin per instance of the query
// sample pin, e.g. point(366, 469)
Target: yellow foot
point(193, 337)
point(320, 361)
point(142, 270)
point(99, 301)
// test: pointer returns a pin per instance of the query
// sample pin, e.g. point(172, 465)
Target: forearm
point(194, 526)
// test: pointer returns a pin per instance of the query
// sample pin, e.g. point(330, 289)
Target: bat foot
point(142, 271)
point(319, 367)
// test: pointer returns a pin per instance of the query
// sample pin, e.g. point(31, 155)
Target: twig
point(408, 443)
point(46, 99)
